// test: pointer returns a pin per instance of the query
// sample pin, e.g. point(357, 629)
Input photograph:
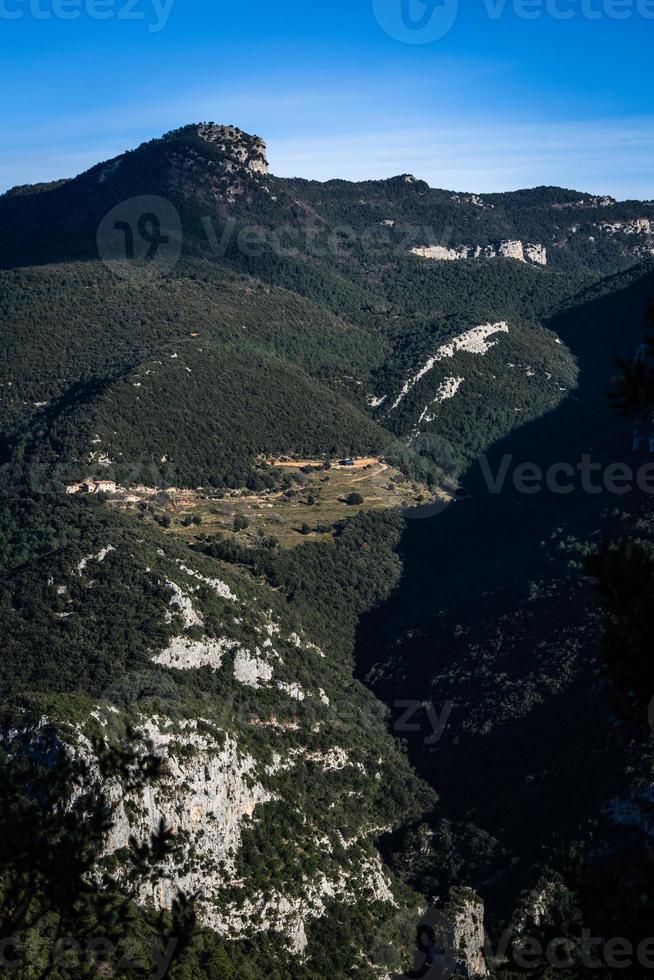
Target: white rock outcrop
point(291, 915)
point(475, 199)
point(473, 341)
point(181, 604)
point(219, 587)
point(467, 935)
point(185, 654)
point(638, 226)
point(586, 202)
point(227, 758)
point(509, 249)
point(205, 796)
point(376, 401)
point(251, 670)
point(250, 151)
point(210, 789)
point(536, 254)
point(446, 390)
point(99, 557)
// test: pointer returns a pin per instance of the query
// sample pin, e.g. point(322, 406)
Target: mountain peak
point(232, 142)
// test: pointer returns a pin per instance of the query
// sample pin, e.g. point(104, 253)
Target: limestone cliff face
point(465, 911)
point(209, 789)
point(635, 235)
point(249, 151)
point(457, 936)
point(215, 163)
point(529, 252)
point(210, 792)
point(249, 764)
point(537, 254)
point(639, 226)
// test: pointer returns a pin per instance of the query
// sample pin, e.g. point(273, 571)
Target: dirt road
point(298, 464)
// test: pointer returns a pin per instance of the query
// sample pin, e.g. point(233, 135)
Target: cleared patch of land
point(317, 499)
point(298, 464)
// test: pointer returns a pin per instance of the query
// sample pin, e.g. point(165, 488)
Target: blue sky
point(510, 96)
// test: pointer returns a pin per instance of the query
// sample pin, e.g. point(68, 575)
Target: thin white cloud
point(611, 156)
point(607, 156)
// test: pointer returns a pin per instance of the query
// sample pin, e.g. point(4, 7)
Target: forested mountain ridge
point(84, 357)
point(218, 173)
point(356, 312)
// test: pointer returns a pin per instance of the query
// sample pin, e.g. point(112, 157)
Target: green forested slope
point(203, 416)
point(89, 603)
point(78, 339)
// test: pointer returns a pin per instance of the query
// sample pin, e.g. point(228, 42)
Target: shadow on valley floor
point(494, 616)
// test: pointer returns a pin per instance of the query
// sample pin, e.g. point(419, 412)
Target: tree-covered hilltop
point(205, 372)
point(306, 292)
point(215, 174)
point(580, 232)
point(203, 416)
point(255, 369)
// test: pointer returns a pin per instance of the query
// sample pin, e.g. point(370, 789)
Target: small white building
point(93, 486)
point(102, 486)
